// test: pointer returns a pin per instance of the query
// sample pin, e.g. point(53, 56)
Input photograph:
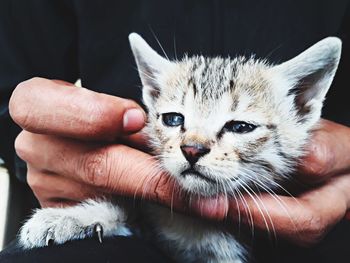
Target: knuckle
point(101, 116)
point(22, 146)
point(314, 229)
point(320, 157)
point(128, 103)
point(34, 182)
point(161, 185)
point(96, 167)
point(19, 104)
point(96, 113)
point(16, 108)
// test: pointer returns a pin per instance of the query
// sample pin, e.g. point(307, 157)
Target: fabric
point(71, 39)
point(119, 250)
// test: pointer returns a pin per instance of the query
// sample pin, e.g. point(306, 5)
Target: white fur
point(191, 239)
point(283, 101)
point(72, 223)
point(265, 97)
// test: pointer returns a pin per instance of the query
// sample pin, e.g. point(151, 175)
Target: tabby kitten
point(220, 126)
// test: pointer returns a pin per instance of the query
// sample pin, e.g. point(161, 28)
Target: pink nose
point(193, 152)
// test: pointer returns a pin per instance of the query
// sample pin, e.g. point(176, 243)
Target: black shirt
point(71, 39)
point(87, 39)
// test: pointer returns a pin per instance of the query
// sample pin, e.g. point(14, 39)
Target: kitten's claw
point(98, 230)
point(51, 226)
point(49, 237)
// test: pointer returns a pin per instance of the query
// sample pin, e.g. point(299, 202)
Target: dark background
point(87, 39)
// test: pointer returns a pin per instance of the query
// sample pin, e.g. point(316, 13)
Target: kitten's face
point(221, 124)
point(214, 125)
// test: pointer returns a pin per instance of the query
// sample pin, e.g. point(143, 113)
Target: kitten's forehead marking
point(211, 77)
point(211, 91)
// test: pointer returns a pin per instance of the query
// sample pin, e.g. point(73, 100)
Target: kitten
point(219, 126)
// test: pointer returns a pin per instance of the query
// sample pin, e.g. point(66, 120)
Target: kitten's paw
point(59, 225)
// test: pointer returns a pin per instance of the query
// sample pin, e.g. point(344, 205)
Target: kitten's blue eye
point(239, 126)
point(173, 119)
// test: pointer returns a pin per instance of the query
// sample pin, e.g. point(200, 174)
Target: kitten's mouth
point(195, 173)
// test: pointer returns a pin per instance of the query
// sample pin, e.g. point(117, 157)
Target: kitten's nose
point(193, 152)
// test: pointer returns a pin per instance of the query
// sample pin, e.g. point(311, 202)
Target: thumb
point(55, 108)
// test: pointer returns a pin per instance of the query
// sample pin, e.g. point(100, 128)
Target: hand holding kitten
point(59, 151)
point(78, 164)
point(308, 217)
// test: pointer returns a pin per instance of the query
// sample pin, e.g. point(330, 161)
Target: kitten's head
point(221, 123)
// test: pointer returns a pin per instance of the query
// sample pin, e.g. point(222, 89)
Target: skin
point(80, 144)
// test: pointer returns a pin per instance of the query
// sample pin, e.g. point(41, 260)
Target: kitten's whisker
point(198, 198)
point(282, 188)
point(239, 212)
point(265, 209)
point(257, 204)
point(260, 184)
point(280, 202)
point(247, 210)
point(261, 175)
point(148, 76)
point(275, 196)
point(225, 193)
point(175, 53)
point(144, 184)
point(233, 191)
point(217, 190)
point(144, 73)
point(272, 51)
point(160, 45)
point(172, 201)
point(140, 184)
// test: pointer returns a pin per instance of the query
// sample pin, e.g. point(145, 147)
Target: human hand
point(67, 142)
point(306, 218)
point(73, 170)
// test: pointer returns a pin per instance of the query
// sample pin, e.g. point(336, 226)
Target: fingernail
point(133, 120)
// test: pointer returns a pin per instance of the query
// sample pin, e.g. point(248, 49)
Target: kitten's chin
point(200, 181)
point(199, 185)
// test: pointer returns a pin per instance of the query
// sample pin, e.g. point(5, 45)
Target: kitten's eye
point(173, 119)
point(239, 127)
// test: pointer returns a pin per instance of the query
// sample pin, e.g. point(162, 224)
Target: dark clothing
point(88, 40)
point(333, 249)
point(71, 39)
point(118, 250)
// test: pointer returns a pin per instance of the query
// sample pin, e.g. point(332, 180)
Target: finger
point(263, 211)
point(62, 82)
point(303, 220)
point(136, 140)
point(111, 168)
point(51, 107)
point(59, 203)
point(307, 218)
point(327, 152)
point(51, 188)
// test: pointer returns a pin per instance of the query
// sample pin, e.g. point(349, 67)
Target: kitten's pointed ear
point(310, 75)
point(150, 66)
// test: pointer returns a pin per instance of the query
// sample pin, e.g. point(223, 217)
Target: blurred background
point(4, 196)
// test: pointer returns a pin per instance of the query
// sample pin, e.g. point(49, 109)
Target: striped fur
point(283, 101)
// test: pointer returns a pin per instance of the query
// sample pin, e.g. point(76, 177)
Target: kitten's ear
point(150, 66)
point(310, 75)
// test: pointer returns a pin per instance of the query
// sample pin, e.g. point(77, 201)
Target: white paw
point(59, 225)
